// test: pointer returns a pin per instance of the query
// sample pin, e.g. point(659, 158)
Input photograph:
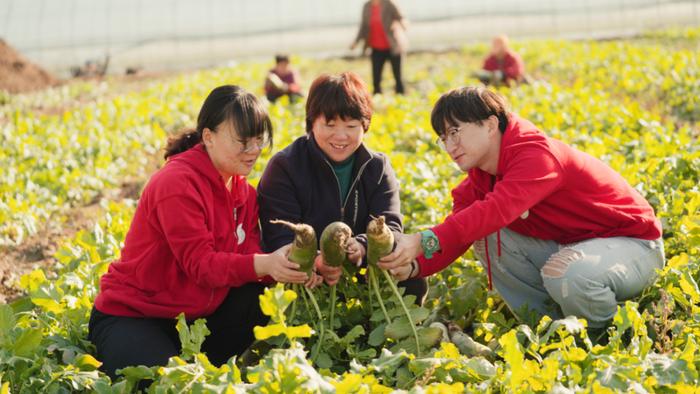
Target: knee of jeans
point(558, 264)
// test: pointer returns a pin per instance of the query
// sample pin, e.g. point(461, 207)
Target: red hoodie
point(543, 189)
point(189, 242)
point(511, 65)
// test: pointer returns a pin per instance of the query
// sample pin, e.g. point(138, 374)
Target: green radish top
point(380, 240)
point(334, 241)
point(304, 247)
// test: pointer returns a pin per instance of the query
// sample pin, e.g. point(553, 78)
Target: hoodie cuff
point(243, 269)
point(448, 238)
point(447, 234)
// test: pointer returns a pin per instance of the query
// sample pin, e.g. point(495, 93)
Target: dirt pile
point(17, 74)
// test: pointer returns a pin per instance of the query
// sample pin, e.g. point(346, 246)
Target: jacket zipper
point(337, 181)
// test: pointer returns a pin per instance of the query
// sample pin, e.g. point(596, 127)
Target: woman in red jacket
point(194, 245)
point(548, 222)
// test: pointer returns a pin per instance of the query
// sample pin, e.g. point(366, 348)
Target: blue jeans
point(585, 279)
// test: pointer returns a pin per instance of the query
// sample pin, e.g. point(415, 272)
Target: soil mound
point(17, 74)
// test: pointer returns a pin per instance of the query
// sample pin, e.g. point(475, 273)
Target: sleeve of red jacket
point(532, 175)
point(514, 66)
point(183, 223)
point(462, 196)
point(490, 64)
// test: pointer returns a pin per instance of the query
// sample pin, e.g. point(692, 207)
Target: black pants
point(125, 341)
point(379, 57)
point(416, 286)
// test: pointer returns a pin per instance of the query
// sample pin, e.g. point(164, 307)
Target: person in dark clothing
point(193, 246)
point(329, 175)
point(382, 29)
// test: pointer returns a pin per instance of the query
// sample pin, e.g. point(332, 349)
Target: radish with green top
point(303, 252)
point(380, 242)
point(304, 247)
point(334, 242)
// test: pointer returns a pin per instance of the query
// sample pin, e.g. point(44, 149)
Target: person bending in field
point(503, 66)
point(329, 175)
point(193, 245)
point(548, 222)
point(282, 80)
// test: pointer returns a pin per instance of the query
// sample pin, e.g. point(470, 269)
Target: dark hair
point(231, 103)
point(281, 58)
point(345, 96)
point(471, 104)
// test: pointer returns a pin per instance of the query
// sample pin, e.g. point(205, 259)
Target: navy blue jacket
point(299, 186)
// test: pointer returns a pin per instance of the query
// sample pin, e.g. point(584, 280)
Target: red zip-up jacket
point(189, 242)
point(511, 65)
point(543, 189)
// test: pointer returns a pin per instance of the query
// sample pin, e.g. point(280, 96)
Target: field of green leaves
point(633, 103)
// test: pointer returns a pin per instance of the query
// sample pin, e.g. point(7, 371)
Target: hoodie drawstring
point(488, 257)
point(486, 242)
point(488, 262)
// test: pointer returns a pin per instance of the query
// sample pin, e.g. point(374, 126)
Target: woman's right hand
point(330, 274)
point(278, 267)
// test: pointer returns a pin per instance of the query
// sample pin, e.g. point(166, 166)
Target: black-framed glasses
point(451, 135)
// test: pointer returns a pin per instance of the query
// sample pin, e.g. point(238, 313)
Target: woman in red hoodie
point(194, 245)
point(548, 222)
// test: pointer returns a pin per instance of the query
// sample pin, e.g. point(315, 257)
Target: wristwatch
point(429, 242)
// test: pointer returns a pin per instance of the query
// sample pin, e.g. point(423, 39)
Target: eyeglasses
point(451, 135)
point(252, 144)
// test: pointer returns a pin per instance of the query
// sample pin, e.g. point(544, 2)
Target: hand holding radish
point(355, 251)
point(330, 274)
point(402, 273)
point(278, 267)
point(408, 247)
point(314, 280)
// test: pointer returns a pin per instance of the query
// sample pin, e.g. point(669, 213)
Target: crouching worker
point(503, 66)
point(548, 222)
point(282, 80)
point(193, 245)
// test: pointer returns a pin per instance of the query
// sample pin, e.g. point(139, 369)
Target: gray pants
point(585, 279)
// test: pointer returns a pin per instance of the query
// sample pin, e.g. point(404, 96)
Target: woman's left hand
point(314, 280)
point(330, 274)
point(355, 251)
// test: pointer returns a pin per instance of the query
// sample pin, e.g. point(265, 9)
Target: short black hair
point(281, 58)
point(470, 104)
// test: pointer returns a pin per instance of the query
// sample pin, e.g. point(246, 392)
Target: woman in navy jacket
point(329, 175)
